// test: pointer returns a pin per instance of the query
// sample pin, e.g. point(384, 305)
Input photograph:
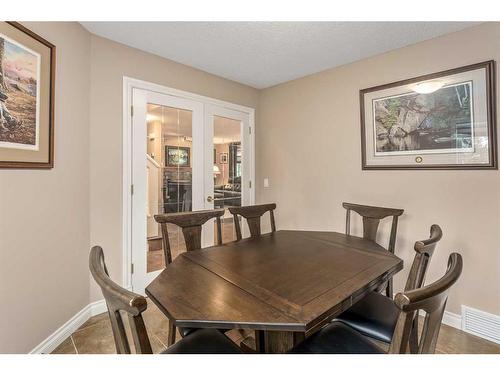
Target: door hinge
point(132, 110)
point(249, 184)
point(131, 268)
point(132, 189)
point(249, 130)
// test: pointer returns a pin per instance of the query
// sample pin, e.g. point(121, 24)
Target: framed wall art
point(177, 156)
point(443, 120)
point(223, 158)
point(27, 74)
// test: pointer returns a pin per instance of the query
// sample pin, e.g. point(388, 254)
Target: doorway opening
point(186, 153)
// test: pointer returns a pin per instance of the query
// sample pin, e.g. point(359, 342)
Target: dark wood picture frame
point(186, 149)
point(223, 158)
point(233, 160)
point(50, 163)
point(489, 67)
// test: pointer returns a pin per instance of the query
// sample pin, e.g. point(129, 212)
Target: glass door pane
point(227, 170)
point(170, 178)
point(186, 156)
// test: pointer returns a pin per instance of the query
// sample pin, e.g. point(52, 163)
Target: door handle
point(210, 199)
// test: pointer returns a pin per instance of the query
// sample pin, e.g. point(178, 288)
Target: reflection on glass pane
point(227, 170)
point(169, 148)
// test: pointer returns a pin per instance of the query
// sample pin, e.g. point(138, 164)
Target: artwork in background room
point(26, 98)
point(223, 158)
point(177, 156)
point(442, 120)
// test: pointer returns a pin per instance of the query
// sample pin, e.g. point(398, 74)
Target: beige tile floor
point(96, 337)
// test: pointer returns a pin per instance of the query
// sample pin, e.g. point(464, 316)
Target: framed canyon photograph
point(443, 120)
point(177, 156)
point(27, 74)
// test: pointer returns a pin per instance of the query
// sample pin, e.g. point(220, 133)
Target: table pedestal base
point(276, 342)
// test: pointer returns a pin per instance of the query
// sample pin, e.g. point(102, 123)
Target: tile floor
point(96, 337)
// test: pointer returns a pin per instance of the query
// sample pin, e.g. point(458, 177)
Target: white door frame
point(128, 85)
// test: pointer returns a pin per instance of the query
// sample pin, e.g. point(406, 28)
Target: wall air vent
point(481, 324)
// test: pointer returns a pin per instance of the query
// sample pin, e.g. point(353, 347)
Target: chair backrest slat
point(424, 251)
point(253, 215)
point(120, 299)
point(191, 224)
point(432, 300)
point(371, 219)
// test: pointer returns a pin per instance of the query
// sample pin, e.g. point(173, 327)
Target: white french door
point(228, 155)
point(187, 155)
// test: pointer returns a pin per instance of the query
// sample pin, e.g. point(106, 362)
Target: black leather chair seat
point(204, 341)
point(184, 331)
point(374, 316)
point(337, 338)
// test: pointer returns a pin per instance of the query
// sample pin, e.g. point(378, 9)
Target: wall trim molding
point(452, 320)
point(458, 321)
point(449, 319)
point(62, 333)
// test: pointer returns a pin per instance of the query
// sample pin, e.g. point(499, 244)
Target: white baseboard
point(63, 332)
point(452, 320)
point(479, 325)
point(449, 318)
point(97, 307)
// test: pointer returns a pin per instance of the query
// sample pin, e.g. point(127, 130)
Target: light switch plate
point(266, 182)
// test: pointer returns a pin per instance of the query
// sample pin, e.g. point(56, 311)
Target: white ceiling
point(263, 54)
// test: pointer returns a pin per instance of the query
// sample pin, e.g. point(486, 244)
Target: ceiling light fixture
point(151, 118)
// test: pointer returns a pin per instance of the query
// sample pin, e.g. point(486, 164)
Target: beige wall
point(111, 61)
point(308, 144)
point(44, 226)
point(55, 215)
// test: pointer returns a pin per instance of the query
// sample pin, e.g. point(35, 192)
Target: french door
point(187, 155)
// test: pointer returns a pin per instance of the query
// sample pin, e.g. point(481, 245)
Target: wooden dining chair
point(118, 299)
point(253, 215)
point(191, 225)
point(371, 219)
point(338, 338)
point(376, 315)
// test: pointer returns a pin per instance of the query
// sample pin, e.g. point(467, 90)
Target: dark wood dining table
point(287, 283)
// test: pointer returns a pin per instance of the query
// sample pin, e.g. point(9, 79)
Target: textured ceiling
point(263, 54)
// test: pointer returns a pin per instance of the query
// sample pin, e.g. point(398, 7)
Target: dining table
point(285, 285)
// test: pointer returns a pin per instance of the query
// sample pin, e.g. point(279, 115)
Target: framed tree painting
point(27, 73)
point(443, 120)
